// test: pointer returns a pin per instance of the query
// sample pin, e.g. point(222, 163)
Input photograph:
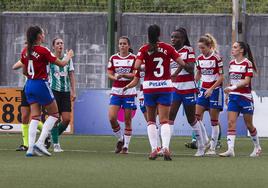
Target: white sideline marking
point(188, 154)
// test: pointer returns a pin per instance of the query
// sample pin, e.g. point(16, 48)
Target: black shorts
point(63, 100)
point(24, 99)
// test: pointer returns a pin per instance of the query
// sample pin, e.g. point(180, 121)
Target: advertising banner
point(91, 117)
point(10, 111)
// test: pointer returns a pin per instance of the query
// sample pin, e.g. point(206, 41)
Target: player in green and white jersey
point(62, 83)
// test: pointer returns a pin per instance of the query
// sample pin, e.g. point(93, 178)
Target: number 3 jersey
point(157, 67)
point(36, 65)
point(122, 65)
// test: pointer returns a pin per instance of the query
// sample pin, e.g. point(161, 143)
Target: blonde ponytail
point(209, 41)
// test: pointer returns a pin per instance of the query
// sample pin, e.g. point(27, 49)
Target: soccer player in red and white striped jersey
point(210, 72)
point(157, 87)
point(240, 99)
point(183, 80)
point(121, 71)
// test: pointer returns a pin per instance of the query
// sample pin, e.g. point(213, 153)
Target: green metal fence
point(165, 6)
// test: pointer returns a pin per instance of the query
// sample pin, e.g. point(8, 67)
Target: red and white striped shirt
point(184, 82)
point(157, 77)
point(210, 67)
point(237, 73)
point(122, 65)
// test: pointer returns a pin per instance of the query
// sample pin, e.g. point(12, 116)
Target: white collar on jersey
point(213, 52)
point(124, 57)
point(236, 62)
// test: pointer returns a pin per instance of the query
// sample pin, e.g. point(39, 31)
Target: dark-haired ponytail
point(32, 34)
point(153, 37)
point(251, 58)
point(247, 52)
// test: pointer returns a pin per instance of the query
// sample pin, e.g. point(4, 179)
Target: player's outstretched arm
point(180, 62)
point(65, 60)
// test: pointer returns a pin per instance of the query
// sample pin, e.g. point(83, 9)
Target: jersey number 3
point(159, 67)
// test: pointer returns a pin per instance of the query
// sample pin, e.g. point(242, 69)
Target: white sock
point(165, 135)
point(32, 134)
point(171, 129)
point(126, 141)
point(48, 125)
point(198, 134)
point(256, 141)
point(158, 137)
point(214, 137)
point(119, 135)
point(231, 141)
point(152, 135)
point(204, 132)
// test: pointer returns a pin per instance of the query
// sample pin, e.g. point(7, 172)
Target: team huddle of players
point(168, 76)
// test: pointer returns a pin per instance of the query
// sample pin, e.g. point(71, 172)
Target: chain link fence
point(163, 6)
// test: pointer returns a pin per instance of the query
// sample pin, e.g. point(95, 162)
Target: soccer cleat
point(29, 155)
point(119, 146)
point(159, 151)
point(57, 148)
point(192, 145)
point(33, 153)
point(124, 150)
point(48, 141)
point(167, 155)
point(42, 149)
point(256, 152)
point(211, 152)
point(37, 153)
point(228, 153)
point(22, 148)
point(153, 155)
point(200, 152)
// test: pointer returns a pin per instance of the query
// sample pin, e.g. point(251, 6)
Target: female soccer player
point(157, 87)
point(35, 58)
point(25, 117)
point(183, 80)
point(210, 72)
point(240, 98)
point(121, 72)
point(139, 76)
point(62, 83)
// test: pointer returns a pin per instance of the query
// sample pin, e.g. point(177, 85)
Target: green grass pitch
point(89, 161)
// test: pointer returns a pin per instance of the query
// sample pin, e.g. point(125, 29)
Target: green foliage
point(163, 6)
